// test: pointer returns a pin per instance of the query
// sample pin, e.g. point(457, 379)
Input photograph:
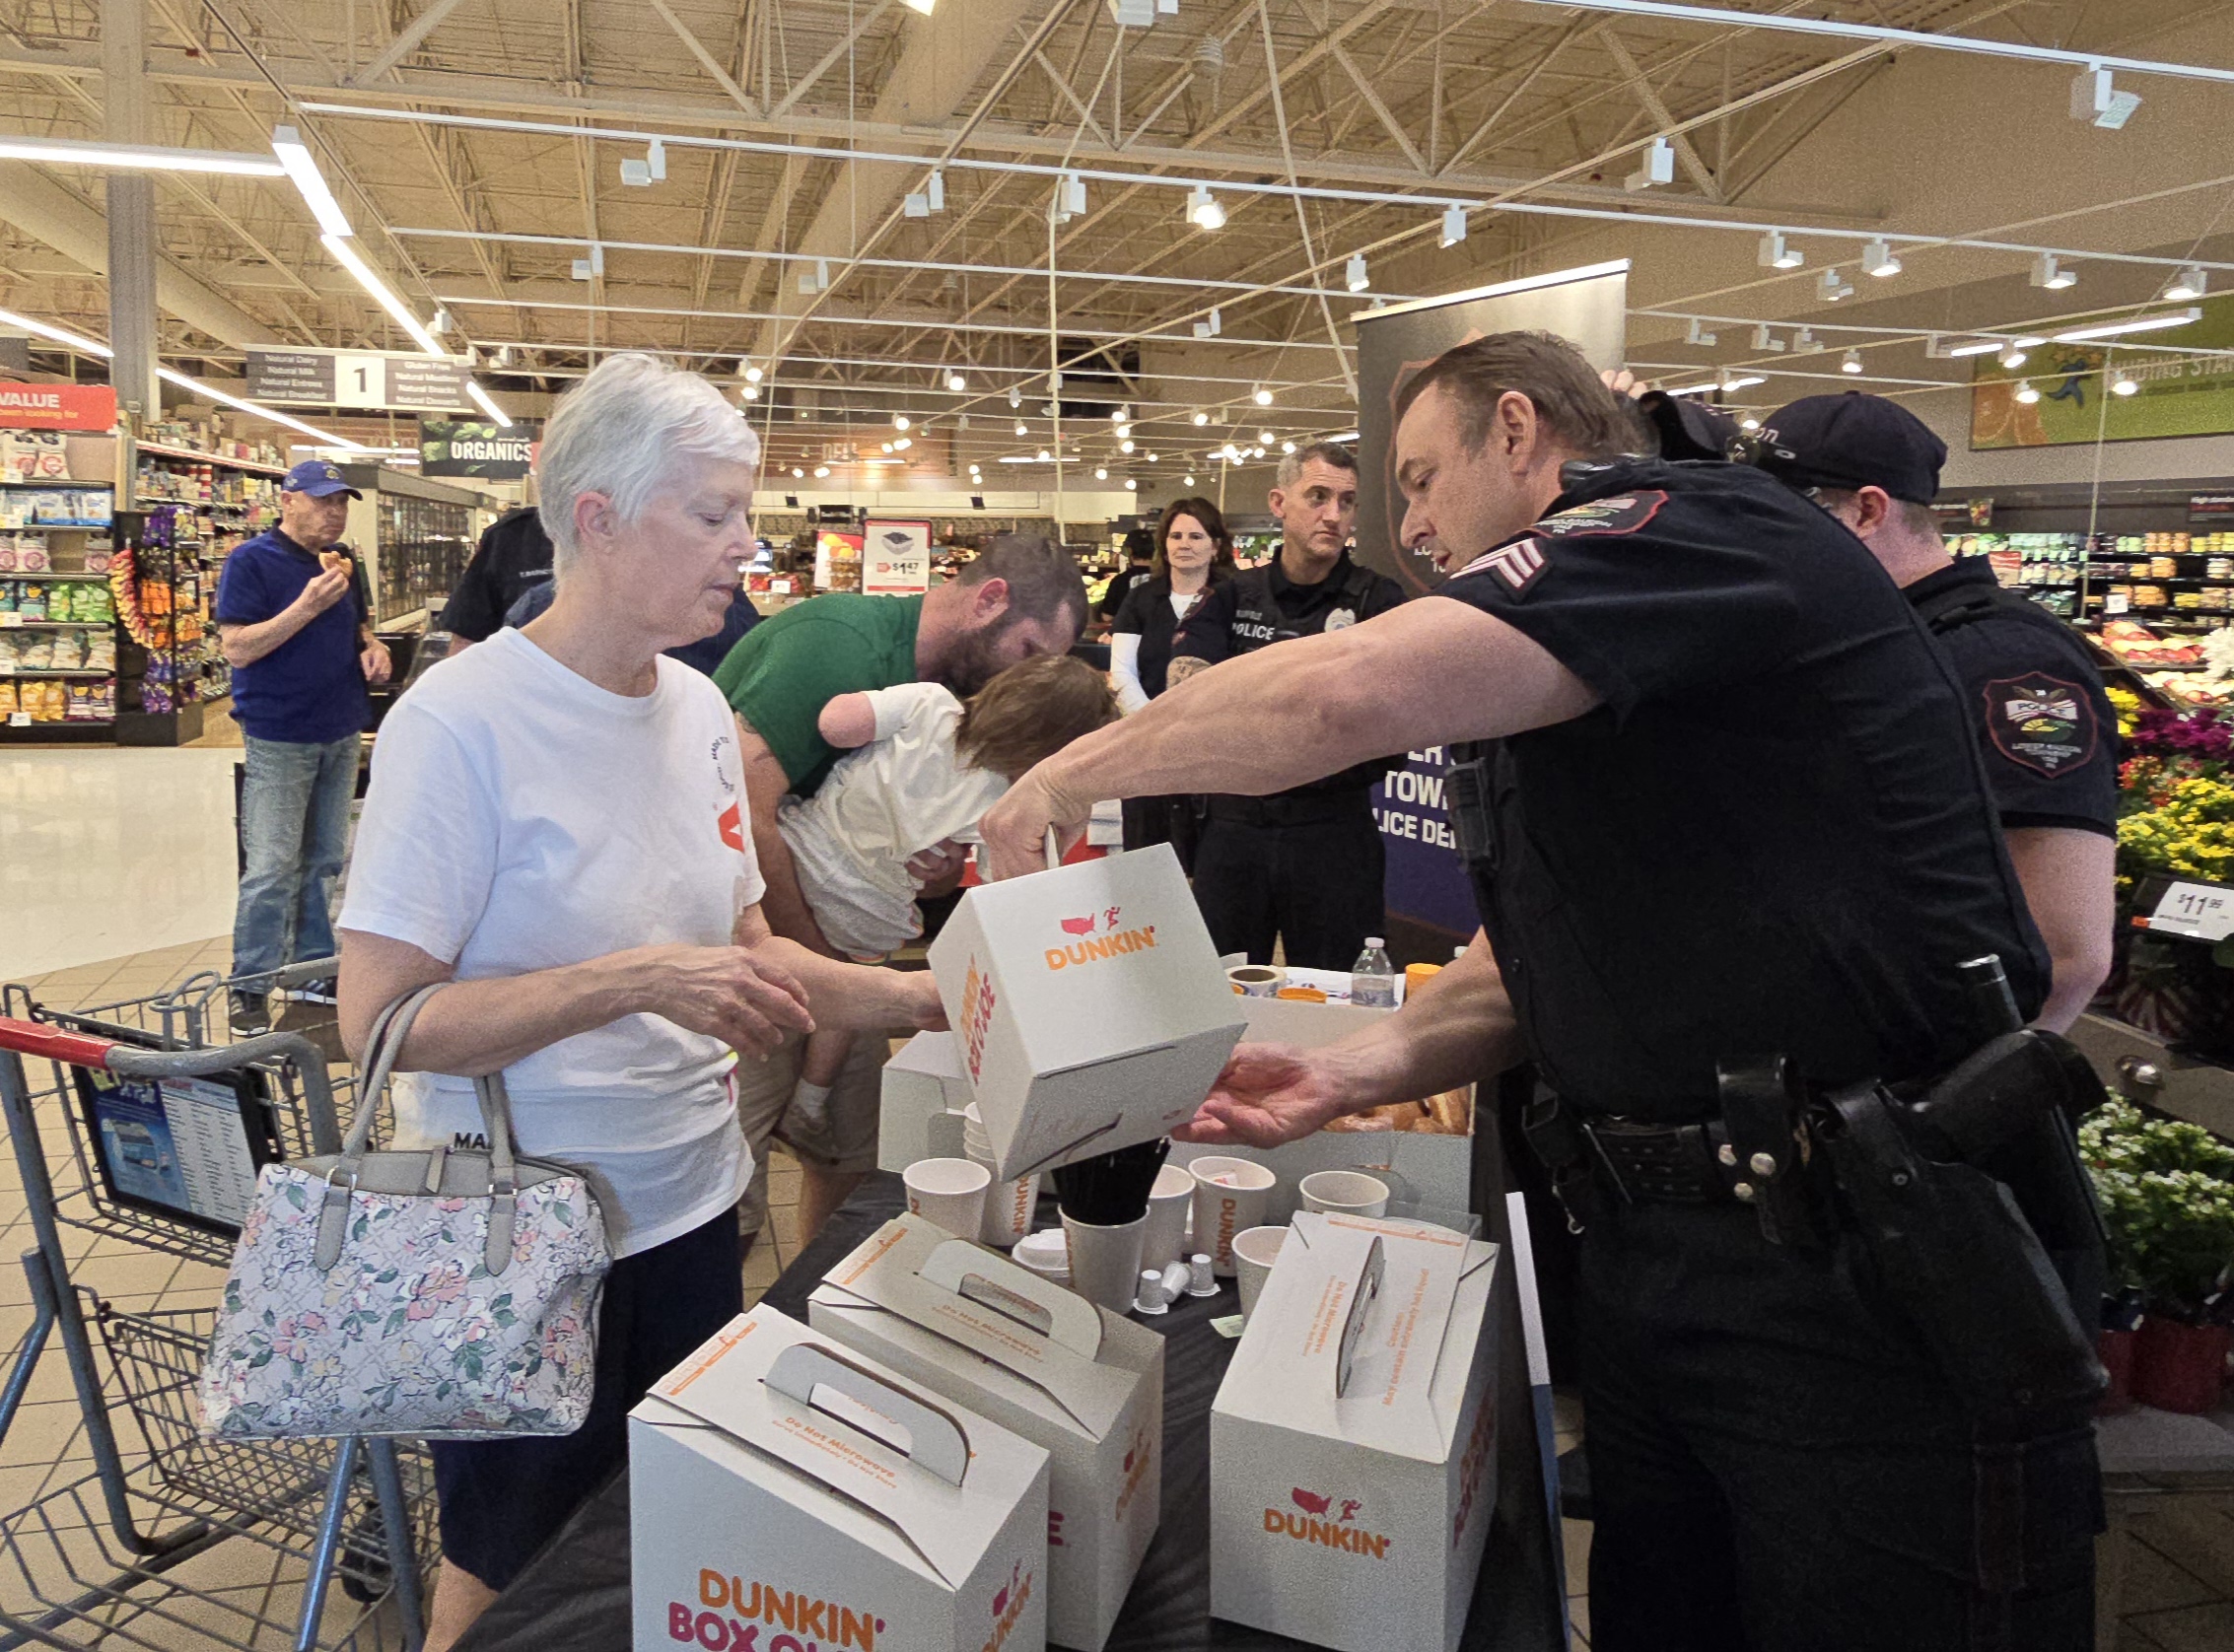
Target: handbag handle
point(383, 1044)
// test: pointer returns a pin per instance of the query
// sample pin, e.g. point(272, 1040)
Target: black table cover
point(574, 1596)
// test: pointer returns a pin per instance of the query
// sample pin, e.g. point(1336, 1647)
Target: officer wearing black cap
point(1726, 810)
point(2044, 725)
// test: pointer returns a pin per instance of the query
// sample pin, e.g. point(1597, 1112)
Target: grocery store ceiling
point(479, 147)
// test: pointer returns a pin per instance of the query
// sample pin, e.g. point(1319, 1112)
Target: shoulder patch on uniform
point(1621, 514)
point(2043, 723)
point(1518, 564)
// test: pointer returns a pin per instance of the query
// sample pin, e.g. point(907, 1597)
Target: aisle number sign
point(2199, 910)
point(359, 378)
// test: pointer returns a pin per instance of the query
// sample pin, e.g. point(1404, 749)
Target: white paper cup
point(1254, 1253)
point(1230, 1197)
point(1167, 1204)
point(1105, 1261)
point(1256, 981)
point(1348, 1192)
point(1009, 1207)
point(948, 1191)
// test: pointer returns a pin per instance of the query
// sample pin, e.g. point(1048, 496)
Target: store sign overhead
point(476, 448)
point(366, 380)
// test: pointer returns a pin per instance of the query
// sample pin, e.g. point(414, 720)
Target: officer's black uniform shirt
point(1771, 836)
point(1147, 613)
point(1260, 606)
point(2045, 732)
point(511, 559)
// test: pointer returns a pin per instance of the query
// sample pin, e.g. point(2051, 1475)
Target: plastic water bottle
point(1372, 978)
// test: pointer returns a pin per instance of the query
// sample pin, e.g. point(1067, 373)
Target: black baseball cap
point(1687, 429)
point(1852, 441)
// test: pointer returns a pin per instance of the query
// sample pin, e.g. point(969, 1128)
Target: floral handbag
point(444, 1294)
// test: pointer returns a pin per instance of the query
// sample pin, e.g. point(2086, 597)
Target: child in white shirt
point(923, 769)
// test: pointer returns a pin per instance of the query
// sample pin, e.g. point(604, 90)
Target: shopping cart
point(138, 1552)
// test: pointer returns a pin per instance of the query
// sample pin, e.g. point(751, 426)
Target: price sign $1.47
point(2201, 911)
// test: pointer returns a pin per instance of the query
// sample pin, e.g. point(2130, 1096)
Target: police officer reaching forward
point(1302, 865)
point(2044, 725)
point(1730, 813)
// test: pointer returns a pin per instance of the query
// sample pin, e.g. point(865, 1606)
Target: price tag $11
point(2197, 910)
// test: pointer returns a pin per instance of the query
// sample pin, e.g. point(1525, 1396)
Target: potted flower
point(2167, 1191)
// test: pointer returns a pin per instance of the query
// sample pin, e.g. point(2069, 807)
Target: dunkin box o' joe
point(1352, 1442)
point(787, 1495)
point(1040, 1359)
point(1089, 1005)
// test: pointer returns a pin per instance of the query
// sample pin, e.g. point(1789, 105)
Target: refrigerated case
point(414, 536)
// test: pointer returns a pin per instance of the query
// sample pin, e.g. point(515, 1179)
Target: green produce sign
point(2188, 393)
point(472, 448)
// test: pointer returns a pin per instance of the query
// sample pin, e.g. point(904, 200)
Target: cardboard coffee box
point(1353, 1442)
point(1081, 1382)
point(781, 1486)
point(1090, 1007)
point(924, 1091)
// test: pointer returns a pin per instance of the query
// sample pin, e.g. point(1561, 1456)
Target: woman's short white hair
point(620, 432)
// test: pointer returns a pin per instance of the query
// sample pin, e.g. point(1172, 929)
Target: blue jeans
point(295, 830)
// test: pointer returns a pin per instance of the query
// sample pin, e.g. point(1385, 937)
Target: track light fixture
point(1262, 397)
point(2125, 385)
point(1453, 226)
point(651, 168)
point(1850, 362)
point(2098, 103)
point(2048, 273)
point(1209, 328)
point(1765, 340)
point(899, 421)
point(1697, 333)
point(1203, 210)
point(1200, 417)
point(1834, 287)
point(1878, 259)
point(1657, 168)
point(957, 383)
point(1777, 253)
point(2012, 358)
point(1020, 428)
point(2191, 283)
point(2026, 393)
point(1016, 396)
point(1355, 276)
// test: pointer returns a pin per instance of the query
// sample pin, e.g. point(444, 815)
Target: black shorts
point(502, 1500)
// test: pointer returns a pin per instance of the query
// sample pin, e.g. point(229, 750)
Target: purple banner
point(1425, 880)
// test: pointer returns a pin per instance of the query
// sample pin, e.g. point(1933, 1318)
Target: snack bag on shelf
point(8, 703)
point(31, 601)
point(7, 553)
point(80, 706)
point(35, 654)
point(30, 555)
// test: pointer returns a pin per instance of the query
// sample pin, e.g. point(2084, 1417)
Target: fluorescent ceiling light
point(1746, 383)
point(94, 347)
point(487, 404)
point(346, 256)
point(2139, 324)
point(295, 156)
point(1984, 347)
point(1344, 436)
point(138, 158)
point(921, 6)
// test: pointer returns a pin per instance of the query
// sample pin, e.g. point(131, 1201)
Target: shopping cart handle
point(36, 1038)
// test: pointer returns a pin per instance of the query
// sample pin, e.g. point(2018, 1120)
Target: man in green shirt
point(1019, 597)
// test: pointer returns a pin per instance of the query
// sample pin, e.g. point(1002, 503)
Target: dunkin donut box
point(1043, 1362)
point(785, 1491)
point(1090, 1007)
point(1352, 1452)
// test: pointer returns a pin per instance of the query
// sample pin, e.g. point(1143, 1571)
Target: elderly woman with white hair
point(556, 829)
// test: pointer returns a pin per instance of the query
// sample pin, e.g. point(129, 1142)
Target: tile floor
point(2179, 1591)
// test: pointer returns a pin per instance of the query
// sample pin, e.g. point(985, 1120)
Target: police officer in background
point(1729, 809)
point(1302, 867)
point(513, 558)
point(2044, 725)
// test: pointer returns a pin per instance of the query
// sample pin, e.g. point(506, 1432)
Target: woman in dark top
point(1193, 550)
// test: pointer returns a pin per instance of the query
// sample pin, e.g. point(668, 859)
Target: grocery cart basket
point(173, 1541)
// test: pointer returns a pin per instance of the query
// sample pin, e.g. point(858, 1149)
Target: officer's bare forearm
point(1427, 674)
point(1455, 1029)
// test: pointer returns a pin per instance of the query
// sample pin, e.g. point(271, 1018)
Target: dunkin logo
point(1008, 1605)
point(732, 1612)
point(1101, 936)
point(1313, 1525)
point(1138, 1456)
point(1472, 1463)
point(977, 1015)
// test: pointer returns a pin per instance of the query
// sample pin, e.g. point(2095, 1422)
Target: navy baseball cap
point(320, 478)
point(1852, 441)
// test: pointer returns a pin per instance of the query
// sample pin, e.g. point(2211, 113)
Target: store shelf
point(9, 622)
point(57, 527)
point(45, 574)
point(61, 672)
point(54, 484)
point(257, 466)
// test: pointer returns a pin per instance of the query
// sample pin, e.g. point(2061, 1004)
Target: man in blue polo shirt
point(295, 623)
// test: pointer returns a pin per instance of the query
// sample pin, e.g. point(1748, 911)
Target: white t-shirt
point(890, 799)
point(522, 818)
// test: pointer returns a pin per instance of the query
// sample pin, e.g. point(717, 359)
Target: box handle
point(1360, 1300)
point(1054, 850)
point(934, 1440)
point(1063, 1317)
